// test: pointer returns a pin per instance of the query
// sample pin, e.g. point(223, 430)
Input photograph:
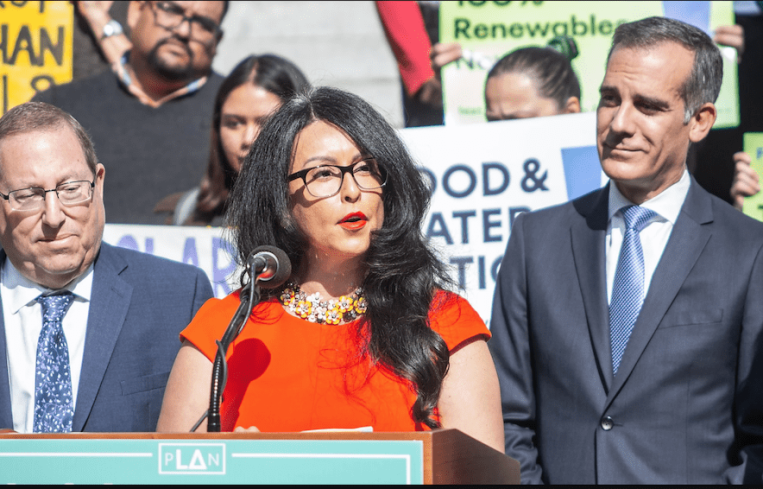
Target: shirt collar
point(667, 204)
point(22, 291)
point(119, 68)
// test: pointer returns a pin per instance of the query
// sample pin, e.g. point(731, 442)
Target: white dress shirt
point(654, 236)
point(23, 323)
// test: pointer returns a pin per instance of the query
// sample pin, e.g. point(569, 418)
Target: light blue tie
point(53, 403)
point(628, 287)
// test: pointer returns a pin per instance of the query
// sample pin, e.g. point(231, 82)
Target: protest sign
point(488, 30)
point(36, 48)
point(482, 176)
point(753, 146)
point(205, 247)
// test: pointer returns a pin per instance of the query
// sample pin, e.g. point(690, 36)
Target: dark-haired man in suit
point(88, 332)
point(627, 324)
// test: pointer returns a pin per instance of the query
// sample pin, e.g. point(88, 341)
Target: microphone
point(269, 266)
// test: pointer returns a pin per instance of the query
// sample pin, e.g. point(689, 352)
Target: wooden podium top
point(435, 457)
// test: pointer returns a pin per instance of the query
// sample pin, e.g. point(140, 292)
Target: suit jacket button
point(607, 423)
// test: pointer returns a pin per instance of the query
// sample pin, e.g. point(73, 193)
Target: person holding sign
point(627, 323)
point(361, 335)
point(150, 118)
point(532, 82)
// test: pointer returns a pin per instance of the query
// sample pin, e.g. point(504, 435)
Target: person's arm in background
point(407, 36)
point(187, 394)
point(745, 183)
point(418, 61)
point(470, 399)
point(96, 14)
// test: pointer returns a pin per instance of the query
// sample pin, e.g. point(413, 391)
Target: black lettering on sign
point(57, 49)
point(4, 42)
point(462, 28)
point(47, 82)
point(24, 43)
point(5, 94)
point(20, 4)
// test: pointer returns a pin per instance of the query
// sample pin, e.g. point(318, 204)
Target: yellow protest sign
point(35, 48)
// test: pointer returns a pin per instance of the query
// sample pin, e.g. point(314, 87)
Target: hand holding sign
point(746, 180)
point(732, 36)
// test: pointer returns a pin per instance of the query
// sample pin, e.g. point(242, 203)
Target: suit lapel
point(688, 239)
point(588, 236)
point(6, 409)
point(110, 300)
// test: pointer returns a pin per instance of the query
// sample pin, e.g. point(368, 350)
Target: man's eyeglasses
point(33, 198)
point(326, 180)
point(171, 15)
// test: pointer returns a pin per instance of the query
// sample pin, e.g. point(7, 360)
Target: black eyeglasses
point(171, 15)
point(33, 198)
point(326, 180)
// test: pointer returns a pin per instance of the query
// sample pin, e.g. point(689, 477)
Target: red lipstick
point(354, 221)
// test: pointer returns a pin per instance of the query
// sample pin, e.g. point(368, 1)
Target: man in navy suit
point(88, 332)
point(628, 324)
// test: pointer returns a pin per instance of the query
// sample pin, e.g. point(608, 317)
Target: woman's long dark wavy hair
point(402, 273)
point(275, 74)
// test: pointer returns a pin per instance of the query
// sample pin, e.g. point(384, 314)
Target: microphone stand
point(269, 265)
point(250, 297)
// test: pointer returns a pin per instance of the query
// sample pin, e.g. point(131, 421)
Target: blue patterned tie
point(53, 403)
point(628, 287)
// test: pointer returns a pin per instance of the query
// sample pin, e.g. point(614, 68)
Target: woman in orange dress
point(364, 333)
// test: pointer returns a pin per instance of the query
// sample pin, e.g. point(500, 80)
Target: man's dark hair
point(550, 70)
point(39, 116)
point(704, 82)
point(398, 286)
point(225, 10)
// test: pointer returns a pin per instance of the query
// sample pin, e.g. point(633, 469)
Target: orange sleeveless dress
point(288, 374)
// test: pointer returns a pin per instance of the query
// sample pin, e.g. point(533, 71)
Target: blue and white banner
point(205, 247)
point(482, 175)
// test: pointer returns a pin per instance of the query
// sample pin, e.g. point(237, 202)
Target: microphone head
point(277, 269)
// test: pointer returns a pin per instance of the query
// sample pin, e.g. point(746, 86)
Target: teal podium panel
point(210, 461)
point(445, 456)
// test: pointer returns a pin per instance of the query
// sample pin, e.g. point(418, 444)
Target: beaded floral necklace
point(317, 310)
